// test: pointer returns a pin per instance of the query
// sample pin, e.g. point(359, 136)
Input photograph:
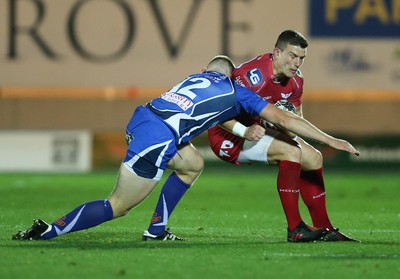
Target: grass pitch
point(232, 217)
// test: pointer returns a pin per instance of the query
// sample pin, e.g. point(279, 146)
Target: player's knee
point(280, 150)
point(317, 159)
point(192, 169)
point(197, 166)
point(312, 160)
point(293, 154)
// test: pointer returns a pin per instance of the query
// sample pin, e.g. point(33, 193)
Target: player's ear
point(276, 52)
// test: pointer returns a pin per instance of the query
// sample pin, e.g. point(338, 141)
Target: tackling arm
point(304, 128)
point(299, 112)
point(253, 132)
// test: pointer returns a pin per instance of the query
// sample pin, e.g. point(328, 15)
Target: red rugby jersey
point(257, 75)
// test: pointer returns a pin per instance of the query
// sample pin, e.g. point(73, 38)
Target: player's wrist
point(239, 129)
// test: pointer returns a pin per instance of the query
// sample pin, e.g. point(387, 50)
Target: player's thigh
point(283, 147)
point(129, 191)
point(284, 150)
point(272, 148)
point(257, 151)
point(311, 157)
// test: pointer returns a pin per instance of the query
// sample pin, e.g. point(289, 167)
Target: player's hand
point(345, 146)
point(254, 132)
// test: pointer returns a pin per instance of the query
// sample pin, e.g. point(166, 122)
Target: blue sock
point(171, 193)
point(83, 217)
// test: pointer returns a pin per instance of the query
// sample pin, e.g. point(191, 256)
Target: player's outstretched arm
point(304, 128)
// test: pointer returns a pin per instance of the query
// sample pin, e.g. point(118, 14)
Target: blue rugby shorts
point(151, 144)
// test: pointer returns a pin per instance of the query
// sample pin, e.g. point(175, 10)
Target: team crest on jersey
point(254, 76)
point(286, 95)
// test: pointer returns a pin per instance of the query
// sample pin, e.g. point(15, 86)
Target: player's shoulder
point(299, 75)
point(298, 79)
point(265, 58)
point(254, 62)
point(252, 72)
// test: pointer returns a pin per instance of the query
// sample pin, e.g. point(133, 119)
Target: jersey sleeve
point(249, 101)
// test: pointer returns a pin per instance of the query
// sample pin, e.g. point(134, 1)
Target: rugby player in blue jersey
point(158, 137)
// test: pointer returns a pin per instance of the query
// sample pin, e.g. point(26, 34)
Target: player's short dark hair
point(291, 37)
point(222, 60)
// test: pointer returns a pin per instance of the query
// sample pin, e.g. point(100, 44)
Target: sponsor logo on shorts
point(226, 144)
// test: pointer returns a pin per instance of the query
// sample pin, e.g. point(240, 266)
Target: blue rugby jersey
point(202, 101)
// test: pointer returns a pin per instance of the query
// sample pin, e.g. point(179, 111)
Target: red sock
point(312, 189)
point(288, 188)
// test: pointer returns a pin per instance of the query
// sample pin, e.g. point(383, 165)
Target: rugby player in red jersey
point(275, 77)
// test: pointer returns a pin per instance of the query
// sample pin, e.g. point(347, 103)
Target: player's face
point(288, 61)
